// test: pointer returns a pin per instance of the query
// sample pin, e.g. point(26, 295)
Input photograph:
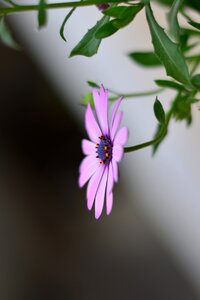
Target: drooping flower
point(103, 152)
point(103, 6)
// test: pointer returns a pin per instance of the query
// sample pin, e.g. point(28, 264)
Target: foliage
point(171, 49)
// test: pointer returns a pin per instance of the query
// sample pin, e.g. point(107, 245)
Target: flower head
point(103, 152)
point(103, 6)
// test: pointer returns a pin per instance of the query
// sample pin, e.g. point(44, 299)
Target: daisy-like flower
point(103, 152)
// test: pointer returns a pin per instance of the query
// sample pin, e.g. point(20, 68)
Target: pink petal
point(110, 182)
point(99, 201)
point(109, 194)
point(91, 125)
point(101, 107)
point(93, 186)
point(88, 172)
point(117, 152)
point(116, 123)
point(114, 111)
point(121, 136)
point(115, 170)
point(86, 161)
point(109, 203)
point(88, 147)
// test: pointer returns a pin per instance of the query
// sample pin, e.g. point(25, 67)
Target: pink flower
point(103, 152)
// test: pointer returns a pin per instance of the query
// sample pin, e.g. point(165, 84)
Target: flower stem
point(137, 94)
point(22, 8)
point(157, 139)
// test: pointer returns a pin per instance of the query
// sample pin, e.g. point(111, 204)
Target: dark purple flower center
point(104, 149)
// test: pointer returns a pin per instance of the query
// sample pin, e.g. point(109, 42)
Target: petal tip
point(80, 183)
point(89, 206)
point(97, 215)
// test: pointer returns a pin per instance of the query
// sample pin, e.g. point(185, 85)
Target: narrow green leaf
point(123, 12)
point(159, 111)
point(62, 28)
point(156, 146)
point(169, 84)
point(195, 58)
point(147, 59)
point(106, 30)
point(196, 81)
point(125, 16)
point(190, 32)
point(42, 19)
point(116, 12)
point(6, 36)
point(93, 84)
point(88, 98)
point(173, 20)
point(194, 24)
point(167, 51)
point(89, 44)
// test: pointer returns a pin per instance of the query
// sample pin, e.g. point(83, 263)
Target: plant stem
point(159, 137)
point(137, 94)
point(22, 8)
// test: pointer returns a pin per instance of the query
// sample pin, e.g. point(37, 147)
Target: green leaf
point(190, 32)
point(89, 44)
point(182, 106)
point(169, 84)
point(195, 4)
point(42, 19)
point(159, 111)
point(196, 81)
point(124, 14)
point(93, 84)
point(106, 30)
point(167, 51)
point(156, 146)
point(6, 36)
point(173, 20)
point(189, 120)
point(147, 59)
point(184, 38)
point(62, 28)
point(127, 16)
point(118, 12)
point(194, 24)
point(88, 98)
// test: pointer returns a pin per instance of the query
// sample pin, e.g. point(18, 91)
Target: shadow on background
point(51, 246)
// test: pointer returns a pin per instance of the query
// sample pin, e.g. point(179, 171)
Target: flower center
point(104, 149)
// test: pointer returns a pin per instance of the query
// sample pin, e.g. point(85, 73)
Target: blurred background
point(51, 246)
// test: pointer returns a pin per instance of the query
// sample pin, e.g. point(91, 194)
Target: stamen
point(104, 149)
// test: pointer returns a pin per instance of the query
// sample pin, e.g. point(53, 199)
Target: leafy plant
point(171, 49)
